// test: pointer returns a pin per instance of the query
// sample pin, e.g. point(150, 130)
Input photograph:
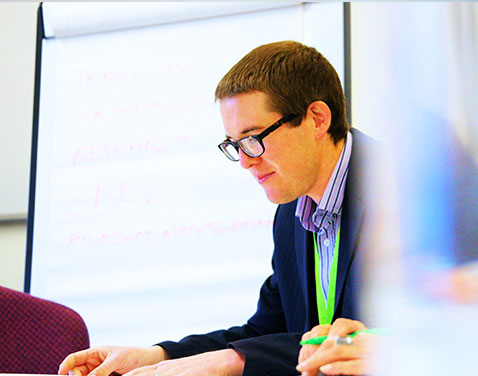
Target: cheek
point(301, 166)
point(290, 162)
point(290, 156)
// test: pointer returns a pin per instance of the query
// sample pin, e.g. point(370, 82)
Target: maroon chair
point(37, 334)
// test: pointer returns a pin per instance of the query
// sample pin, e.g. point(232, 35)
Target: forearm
point(234, 362)
point(273, 354)
point(276, 353)
point(227, 362)
point(158, 354)
point(213, 341)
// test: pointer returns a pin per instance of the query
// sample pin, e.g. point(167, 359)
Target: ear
point(320, 113)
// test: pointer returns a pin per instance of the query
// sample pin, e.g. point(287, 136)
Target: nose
point(246, 161)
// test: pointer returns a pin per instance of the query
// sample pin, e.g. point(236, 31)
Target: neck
point(330, 155)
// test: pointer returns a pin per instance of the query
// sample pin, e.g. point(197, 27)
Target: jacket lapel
point(303, 244)
point(352, 214)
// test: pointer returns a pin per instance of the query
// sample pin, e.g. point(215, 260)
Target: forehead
point(246, 112)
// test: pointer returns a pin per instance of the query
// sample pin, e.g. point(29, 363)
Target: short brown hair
point(293, 76)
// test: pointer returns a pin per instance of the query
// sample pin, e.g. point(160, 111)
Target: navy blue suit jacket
point(287, 306)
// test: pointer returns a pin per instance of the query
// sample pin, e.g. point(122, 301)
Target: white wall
point(17, 60)
point(370, 71)
point(12, 255)
point(17, 49)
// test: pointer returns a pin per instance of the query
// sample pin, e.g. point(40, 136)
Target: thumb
point(104, 369)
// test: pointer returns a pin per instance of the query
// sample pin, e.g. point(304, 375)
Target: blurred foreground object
point(422, 277)
point(458, 284)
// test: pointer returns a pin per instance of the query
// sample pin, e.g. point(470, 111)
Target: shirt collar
point(331, 201)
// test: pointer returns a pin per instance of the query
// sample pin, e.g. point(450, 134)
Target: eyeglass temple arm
point(273, 127)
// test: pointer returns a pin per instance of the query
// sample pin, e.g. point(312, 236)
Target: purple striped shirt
point(324, 218)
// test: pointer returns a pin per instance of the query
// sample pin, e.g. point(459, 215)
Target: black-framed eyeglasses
point(252, 146)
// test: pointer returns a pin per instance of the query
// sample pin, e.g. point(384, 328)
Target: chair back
point(37, 334)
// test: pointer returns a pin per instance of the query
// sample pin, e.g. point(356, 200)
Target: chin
point(279, 197)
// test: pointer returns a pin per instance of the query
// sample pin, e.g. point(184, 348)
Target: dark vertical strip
point(347, 62)
point(33, 163)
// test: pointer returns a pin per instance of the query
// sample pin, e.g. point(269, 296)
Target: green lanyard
point(326, 311)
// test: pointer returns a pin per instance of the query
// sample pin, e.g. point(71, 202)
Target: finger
point(136, 371)
point(306, 352)
point(310, 373)
point(365, 339)
point(348, 367)
point(342, 327)
point(76, 372)
point(316, 331)
point(72, 361)
point(321, 330)
point(105, 368)
point(79, 371)
point(302, 355)
point(369, 344)
point(330, 355)
point(146, 370)
point(306, 335)
point(328, 343)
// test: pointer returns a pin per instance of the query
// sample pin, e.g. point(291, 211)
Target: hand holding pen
point(347, 340)
point(332, 357)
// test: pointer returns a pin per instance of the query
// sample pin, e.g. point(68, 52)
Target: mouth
point(262, 178)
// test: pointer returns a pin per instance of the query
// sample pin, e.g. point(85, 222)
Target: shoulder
point(366, 151)
point(364, 164)
point(284, 220)
point(363, 145)
point(285, 211)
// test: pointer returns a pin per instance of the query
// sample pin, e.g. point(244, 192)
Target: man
point(283, 110)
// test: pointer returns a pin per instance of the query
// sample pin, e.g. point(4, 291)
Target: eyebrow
point(247, 130)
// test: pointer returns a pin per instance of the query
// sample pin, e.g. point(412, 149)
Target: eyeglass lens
point(250, 146)
point(230, 151)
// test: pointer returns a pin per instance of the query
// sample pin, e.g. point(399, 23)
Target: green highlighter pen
point(319, 340)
